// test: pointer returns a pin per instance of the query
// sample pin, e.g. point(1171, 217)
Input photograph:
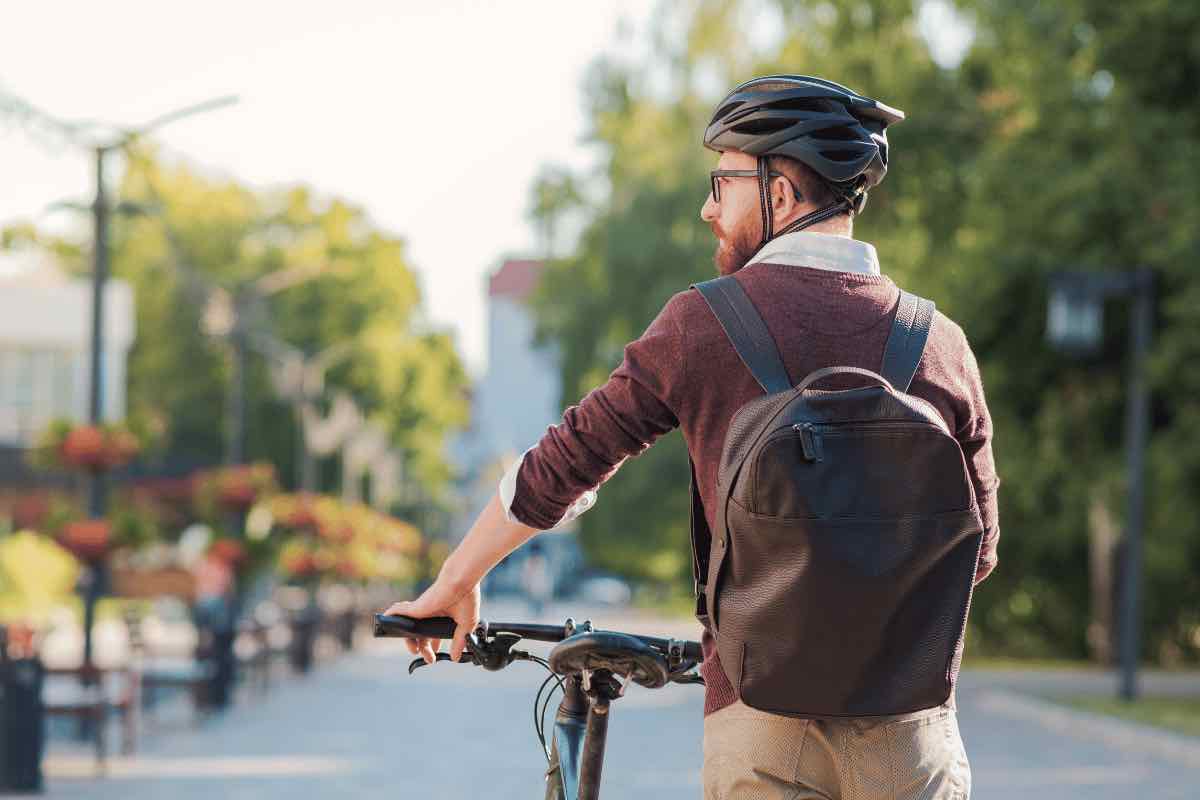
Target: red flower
point(84, 447)
point(228, 550)
point(236, 489)
point(299, 564)
point(88, 539)
point(301, 516)
point(338, 532)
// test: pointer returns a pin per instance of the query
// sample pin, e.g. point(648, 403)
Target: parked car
point(601, 589)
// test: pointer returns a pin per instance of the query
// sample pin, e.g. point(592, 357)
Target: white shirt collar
point(820, 251)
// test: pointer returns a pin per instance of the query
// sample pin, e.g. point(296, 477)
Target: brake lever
point(417, 663)
point(493, 655)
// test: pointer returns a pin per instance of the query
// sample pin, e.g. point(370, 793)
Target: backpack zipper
point(810, 442)
point(810, 433)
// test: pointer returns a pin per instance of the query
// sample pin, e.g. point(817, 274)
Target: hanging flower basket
point(88, 448)
point(84, 448)
point(87, 539)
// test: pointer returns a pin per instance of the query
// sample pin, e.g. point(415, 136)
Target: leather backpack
point(839, 575)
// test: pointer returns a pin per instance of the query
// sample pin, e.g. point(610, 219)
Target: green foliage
point(356, 290)
point(1068, 137)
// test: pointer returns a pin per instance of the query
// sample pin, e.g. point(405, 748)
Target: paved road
point(360, 728)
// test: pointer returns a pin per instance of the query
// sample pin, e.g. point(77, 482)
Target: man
point(798, 155)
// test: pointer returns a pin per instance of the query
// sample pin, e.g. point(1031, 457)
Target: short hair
point(812, 187)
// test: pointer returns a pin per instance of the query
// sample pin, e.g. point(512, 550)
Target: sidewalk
point(360, 727)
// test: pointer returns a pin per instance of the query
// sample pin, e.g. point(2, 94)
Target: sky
point(433, 117)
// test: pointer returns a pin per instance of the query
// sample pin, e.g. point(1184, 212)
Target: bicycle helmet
point(838, 133)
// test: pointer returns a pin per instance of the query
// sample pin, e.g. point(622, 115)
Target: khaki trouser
point(753, 755)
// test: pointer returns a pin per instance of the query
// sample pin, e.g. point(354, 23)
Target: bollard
point(22, 715)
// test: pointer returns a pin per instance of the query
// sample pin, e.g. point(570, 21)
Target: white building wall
point(45, 339)
point(518, 397)
point(520, 394)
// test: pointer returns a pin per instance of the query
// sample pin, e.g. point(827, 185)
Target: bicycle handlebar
point(443, 628)
point(410, 627)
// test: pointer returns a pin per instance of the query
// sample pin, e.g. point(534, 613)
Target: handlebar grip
point(410, 627)
point(692, 652)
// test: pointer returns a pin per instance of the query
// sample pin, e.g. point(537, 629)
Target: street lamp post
point(1075, 325)
point(93, 578)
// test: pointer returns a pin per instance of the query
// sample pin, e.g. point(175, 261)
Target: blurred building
point(518, 397)
point(45, 340)
point(521, 392)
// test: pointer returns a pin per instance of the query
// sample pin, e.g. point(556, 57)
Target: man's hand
point(455, 593)
point(442, 600)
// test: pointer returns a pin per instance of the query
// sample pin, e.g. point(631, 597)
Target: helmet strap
point(820, 215)
point(812, 218)
point(764, 200)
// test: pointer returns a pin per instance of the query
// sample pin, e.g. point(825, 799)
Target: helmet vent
point(842, 155)
point(725, 109)
point(810, 104)
point(757, 127)
point(840, 134)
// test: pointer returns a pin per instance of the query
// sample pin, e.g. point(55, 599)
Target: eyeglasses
point(744, 173)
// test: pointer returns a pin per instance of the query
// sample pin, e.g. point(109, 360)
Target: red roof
point(516, 278)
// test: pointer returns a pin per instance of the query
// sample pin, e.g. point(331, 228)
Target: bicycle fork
point(577, 748)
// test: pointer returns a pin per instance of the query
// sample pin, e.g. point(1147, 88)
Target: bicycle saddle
point(619, 653)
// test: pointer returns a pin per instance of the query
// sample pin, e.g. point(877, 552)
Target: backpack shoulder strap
point(746, 330)
point(906, 342)
point(701, 547)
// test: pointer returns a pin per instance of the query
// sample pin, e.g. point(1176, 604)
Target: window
point(36, 386)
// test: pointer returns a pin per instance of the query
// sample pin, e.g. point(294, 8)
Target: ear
point(785, 200)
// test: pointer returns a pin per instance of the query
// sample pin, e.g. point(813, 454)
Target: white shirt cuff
point(508, 491)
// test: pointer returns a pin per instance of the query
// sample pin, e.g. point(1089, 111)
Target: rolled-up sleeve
point(638, 403)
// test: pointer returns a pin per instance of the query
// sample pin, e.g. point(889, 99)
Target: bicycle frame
point(577, 745)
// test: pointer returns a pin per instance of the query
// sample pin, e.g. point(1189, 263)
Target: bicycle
point(592, 668)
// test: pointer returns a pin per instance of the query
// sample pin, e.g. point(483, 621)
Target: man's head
point(804, 151)
point(736, 218)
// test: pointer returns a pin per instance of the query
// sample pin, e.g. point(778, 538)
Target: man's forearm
point(491, 538)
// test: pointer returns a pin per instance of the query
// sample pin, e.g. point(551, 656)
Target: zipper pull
point(810, 441)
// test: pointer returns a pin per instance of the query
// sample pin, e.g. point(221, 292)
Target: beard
point(735, 248)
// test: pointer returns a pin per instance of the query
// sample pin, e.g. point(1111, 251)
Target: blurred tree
point(1066, 137)
point(361, 291)
point(1093, 160)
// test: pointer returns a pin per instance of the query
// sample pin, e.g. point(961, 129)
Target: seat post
point(593, 749)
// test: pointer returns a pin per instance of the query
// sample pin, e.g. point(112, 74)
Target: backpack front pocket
point(846, 616)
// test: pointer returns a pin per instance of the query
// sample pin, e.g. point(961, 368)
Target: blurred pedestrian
point(536, 580)
point(213, 615)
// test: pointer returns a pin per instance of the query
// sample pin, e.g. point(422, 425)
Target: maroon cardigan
point(684, 372)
